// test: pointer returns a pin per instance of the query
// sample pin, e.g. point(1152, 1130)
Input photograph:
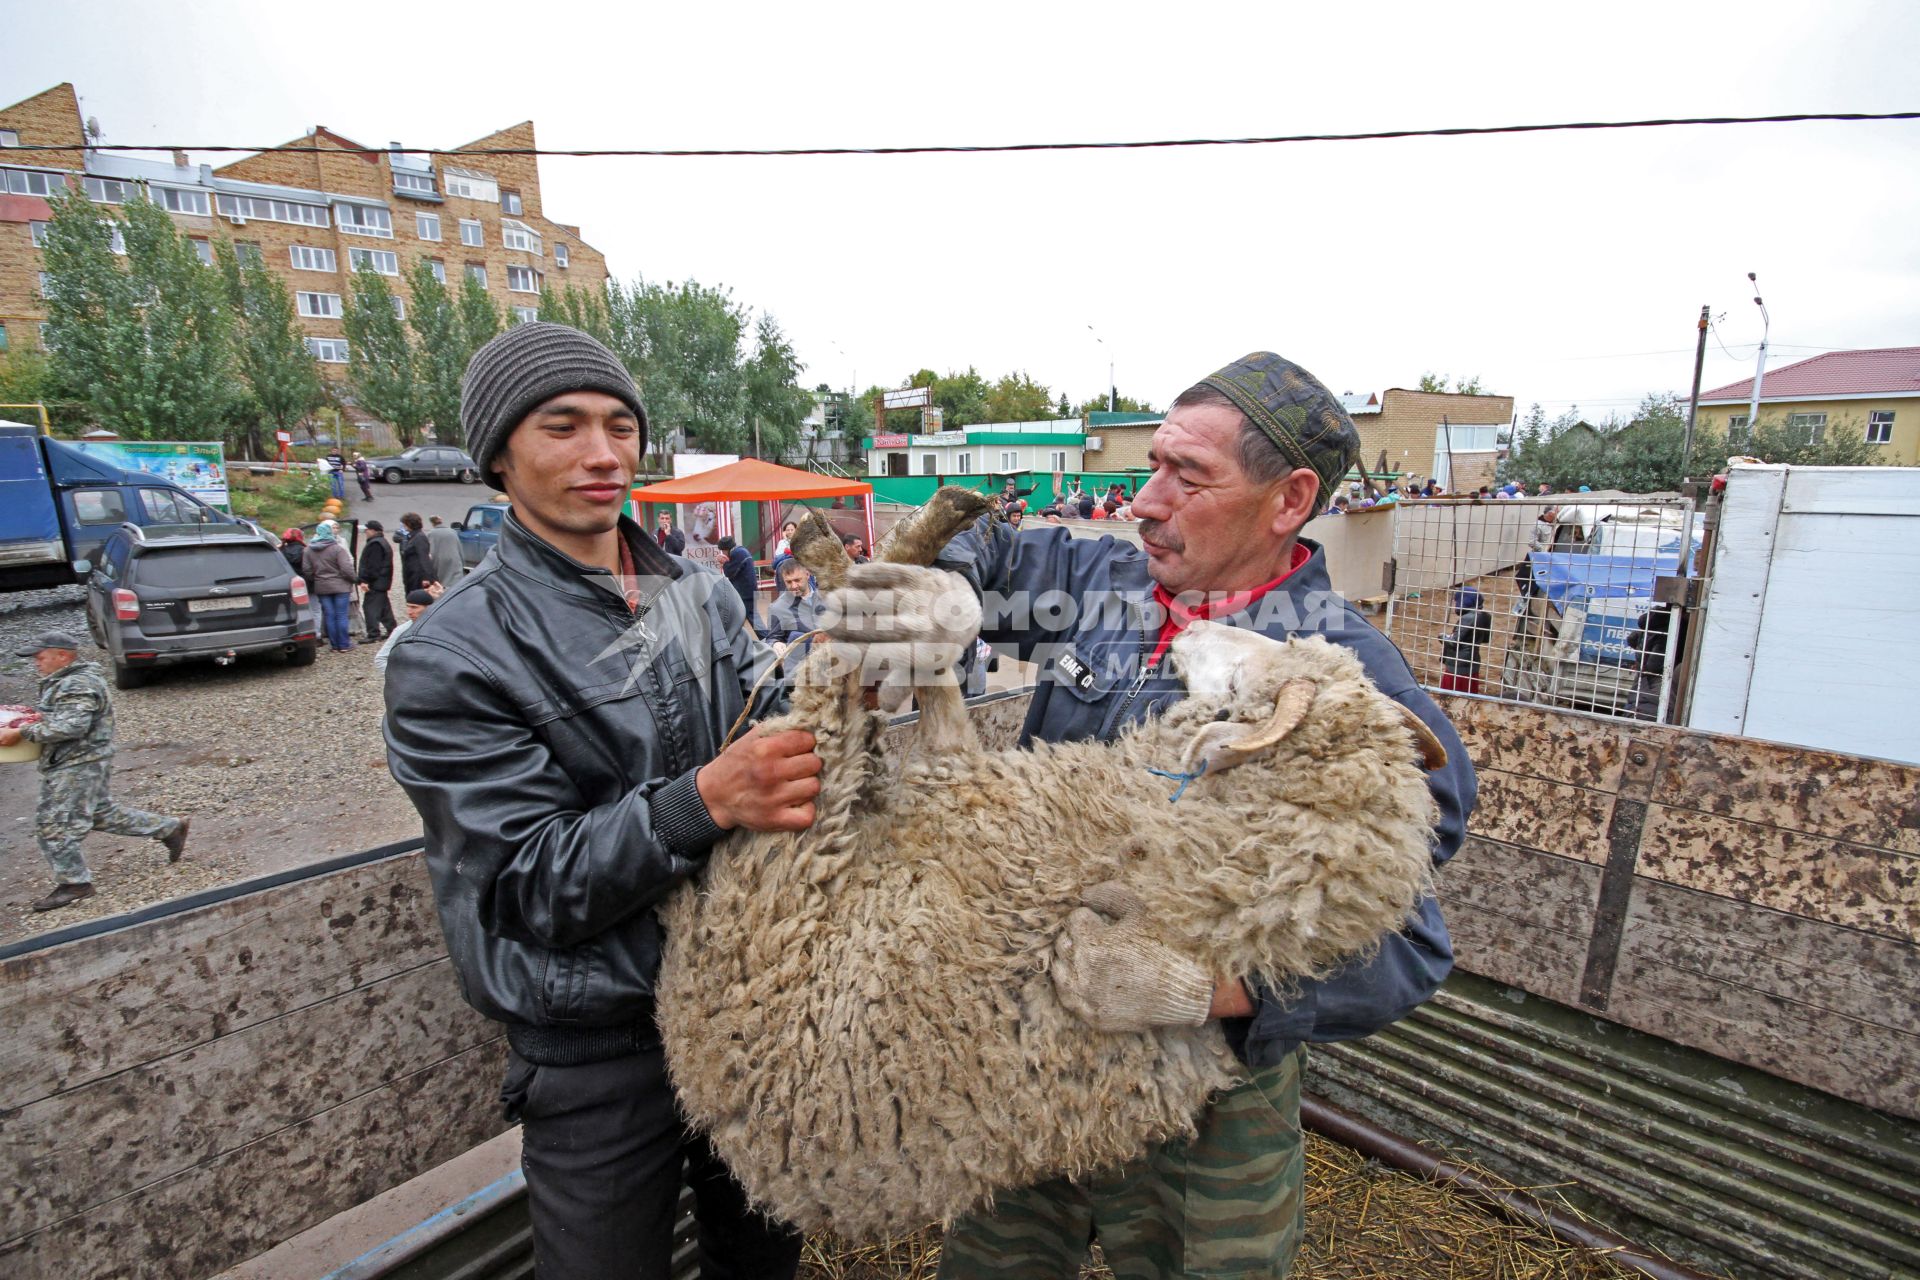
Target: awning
point(750, 480)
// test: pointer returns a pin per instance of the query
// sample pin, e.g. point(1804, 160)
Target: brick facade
point(338, 168)
point(1122, 448)
point(1405, 430)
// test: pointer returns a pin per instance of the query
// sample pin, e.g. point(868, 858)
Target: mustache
point(1154, 531)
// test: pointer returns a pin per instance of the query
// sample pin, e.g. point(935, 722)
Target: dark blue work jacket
point(1083, 609)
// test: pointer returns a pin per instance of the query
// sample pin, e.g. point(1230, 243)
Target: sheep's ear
point(1224, 743)
point(1433, 753)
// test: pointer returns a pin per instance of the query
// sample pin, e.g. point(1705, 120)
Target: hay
point(1364, 1222)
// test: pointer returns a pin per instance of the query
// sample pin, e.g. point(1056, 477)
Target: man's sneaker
point(177, 842)
point(64, 895)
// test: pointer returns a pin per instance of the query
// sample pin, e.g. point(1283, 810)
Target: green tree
point(775, 401)
point(1015, 397)
point(1098, 404)
point(283, 383)
point(441, 349)
point(147, 340)
point(682, 343)
point(1437, 383)
point(380, 357)
point(582, 309)
point(480, 317)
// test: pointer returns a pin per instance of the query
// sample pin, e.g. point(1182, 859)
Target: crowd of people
point(1361, 497)
point(429, 559)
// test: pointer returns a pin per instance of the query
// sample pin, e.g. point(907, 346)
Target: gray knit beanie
point(527, 365)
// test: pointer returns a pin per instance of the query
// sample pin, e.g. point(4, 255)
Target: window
point(99, 506)
point(929, 464)
point(308, 258)
point(413, 183)
point(963, 466)
point(249, 251)
point(328, 350)
point(474, 186)
point(9, 138)
point(1737, 432)
point(202, 249)
point(3, 335)
point(43, 284)
point(438, 268)
point(364, 220)
point(319, 306)
point(510, 202)
point(426, 225)
point(1009, 459)
point(477, 274)
point(39, 232)
point(265, 210)
point(399, 308)
point(470, 232)
point(518, 235)
point(1880, 426)
point(523, 280)
point(1057, 460)
point(24, 182)
point(385, 261)
point(1813, 425)
point(118, 243)
point(525, 315)
point(161, 508)
point(174, 201)
point(109, 190)
point(559, 255)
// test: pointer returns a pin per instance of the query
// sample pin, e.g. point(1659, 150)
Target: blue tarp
point(28, 518)
point(1614, 590)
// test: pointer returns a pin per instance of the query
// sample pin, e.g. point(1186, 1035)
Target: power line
point(1371, 136)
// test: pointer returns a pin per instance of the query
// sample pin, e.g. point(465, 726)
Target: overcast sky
point(1561, 268)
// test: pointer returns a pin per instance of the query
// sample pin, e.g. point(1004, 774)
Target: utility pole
point(1112, 391)
point(1760, 361)
point(1693, 404)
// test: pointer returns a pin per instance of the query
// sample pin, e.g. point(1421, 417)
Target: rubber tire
point(126, 677)
point(469, 476)
point(393, 475)
point(302, 654)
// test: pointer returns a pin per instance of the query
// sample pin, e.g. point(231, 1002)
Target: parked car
point(427, 462)
point(59, 503)
point(164, 594)
point(480, 531)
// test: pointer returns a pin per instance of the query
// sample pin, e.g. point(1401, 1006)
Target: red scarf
point(1179, 615)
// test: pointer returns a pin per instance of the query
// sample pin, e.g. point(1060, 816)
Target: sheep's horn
point(1433, 753)
point(1225, 743)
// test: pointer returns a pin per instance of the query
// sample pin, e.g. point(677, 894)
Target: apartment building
point(314, 217)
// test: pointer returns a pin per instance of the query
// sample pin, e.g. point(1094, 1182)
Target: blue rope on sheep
point(1183, 778)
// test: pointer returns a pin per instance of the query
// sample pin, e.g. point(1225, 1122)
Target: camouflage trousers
point(74, 801)
point(1227, 1202)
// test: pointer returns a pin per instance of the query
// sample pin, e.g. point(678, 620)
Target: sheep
point(860, 1015)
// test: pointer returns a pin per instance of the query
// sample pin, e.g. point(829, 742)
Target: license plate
point(219, 606)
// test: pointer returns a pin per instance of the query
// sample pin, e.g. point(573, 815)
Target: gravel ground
point(277, 767)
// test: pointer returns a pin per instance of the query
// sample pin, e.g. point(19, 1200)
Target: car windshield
point(207, 566)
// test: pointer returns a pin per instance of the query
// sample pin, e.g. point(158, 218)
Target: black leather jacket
point(549, 739)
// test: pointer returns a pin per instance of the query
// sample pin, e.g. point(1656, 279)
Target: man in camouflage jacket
point(75, 732)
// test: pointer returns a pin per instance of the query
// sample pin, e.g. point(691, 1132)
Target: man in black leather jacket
point(557, 718)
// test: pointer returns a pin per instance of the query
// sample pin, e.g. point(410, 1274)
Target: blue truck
point(59, 504)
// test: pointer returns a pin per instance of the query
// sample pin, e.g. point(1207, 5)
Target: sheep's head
point(1266, 689)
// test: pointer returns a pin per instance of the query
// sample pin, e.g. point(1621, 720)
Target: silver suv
point(162, 594)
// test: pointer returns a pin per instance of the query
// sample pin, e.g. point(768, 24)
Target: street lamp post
point(1760, 361)
point(1111, 406)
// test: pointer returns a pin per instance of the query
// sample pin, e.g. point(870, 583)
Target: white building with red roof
point(1876, 391)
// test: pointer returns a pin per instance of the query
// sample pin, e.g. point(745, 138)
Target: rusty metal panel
point(1538, 939)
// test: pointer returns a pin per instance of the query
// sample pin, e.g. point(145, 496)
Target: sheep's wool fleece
point(861, 1015)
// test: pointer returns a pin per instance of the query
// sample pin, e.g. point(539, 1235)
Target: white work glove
point(1119, 977)
point(902, 625)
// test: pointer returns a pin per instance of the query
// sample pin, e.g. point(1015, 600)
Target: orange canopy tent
point(754, 480)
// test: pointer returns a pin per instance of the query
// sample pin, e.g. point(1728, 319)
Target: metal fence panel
point(1542, 600)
